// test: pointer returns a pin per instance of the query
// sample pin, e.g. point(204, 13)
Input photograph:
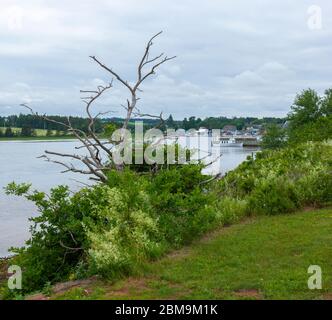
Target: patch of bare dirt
point(132, 287)
point(37, 296)
point(178, 254)
point(309, 208)
point(65, 286)
point(327, 296)
point(62, 287)
point(249, 293)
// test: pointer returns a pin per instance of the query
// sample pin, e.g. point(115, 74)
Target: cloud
point(233, 57)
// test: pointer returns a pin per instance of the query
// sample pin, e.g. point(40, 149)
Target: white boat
point(227, 142)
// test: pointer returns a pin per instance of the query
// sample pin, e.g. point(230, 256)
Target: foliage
point(230, 210)
point(34, 121)
point(305, 108)
point(319, 130)
point(220, 122)
point(311, 117)
point(9, 132)
point(183, 209)
point(315, 187)
point(274, 138)
point(27, 132)
point(273, 196)
point(110, 229)
point(284, 180)
point(129, 233)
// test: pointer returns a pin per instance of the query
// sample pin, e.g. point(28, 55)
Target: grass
point(40, 134)
point(261, 258)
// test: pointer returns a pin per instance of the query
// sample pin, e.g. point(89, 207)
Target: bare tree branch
point(99, 153)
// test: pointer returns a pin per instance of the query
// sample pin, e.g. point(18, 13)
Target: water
point(19, 163)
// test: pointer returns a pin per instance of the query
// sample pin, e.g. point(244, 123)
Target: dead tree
point(97, 159)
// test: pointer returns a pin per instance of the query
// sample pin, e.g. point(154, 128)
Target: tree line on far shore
point(23, 125)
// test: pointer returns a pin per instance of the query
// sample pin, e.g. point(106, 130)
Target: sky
point(234, 57)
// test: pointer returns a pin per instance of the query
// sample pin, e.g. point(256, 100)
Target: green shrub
point(283, 180)
point(183, 208)
point(127, 236)
point(273, 196)
point(230, 210)
point(110, 229)
point(315, 188)
point(69, 236)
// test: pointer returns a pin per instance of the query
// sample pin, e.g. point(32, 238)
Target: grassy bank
point(261, 258)
point(133, 219)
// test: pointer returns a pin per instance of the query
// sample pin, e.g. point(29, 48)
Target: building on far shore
point(229, 129)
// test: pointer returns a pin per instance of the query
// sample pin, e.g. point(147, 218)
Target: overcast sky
point(234, 57)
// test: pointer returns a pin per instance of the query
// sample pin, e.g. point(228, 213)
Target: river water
point(19, 162)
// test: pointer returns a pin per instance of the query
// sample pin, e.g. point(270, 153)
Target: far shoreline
point(40, 138)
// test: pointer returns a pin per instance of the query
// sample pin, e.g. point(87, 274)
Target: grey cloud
point(234, 57)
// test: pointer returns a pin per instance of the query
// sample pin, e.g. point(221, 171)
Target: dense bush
point(315, 187)
point(183, 208)
point(110, 229)
point(273, 196)
point(274, 137)
point(282, 181)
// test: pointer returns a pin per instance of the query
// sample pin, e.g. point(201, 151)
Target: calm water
point(19, 163)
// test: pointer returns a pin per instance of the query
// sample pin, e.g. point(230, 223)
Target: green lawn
point(262, 258)
point(40, 134)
